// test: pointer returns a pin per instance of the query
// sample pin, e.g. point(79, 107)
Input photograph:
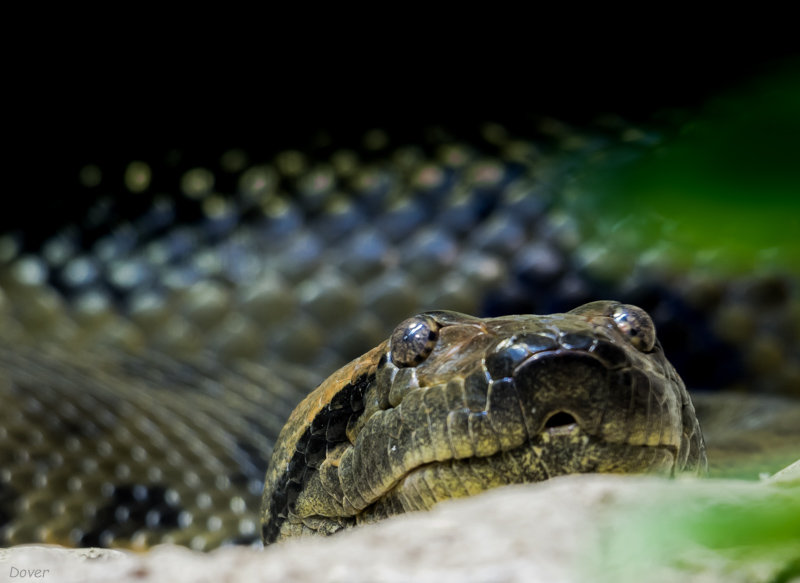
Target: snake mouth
point(564, 447)
point(557, 451)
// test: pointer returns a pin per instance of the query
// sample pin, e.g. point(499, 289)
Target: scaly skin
point(452, 405)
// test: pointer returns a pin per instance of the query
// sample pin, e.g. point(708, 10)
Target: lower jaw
point(552, 453)
point(546, 455)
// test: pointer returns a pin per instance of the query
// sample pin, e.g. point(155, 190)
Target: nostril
point(560, 419)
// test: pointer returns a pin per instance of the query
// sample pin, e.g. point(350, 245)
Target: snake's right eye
point(636, 324)
point(413, 341)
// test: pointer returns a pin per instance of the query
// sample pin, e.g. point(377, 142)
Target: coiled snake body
point(449, 406)
point(148, 366)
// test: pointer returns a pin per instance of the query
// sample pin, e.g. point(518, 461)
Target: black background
point(108, 100)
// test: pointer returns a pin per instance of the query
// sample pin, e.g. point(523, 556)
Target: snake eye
point(413, 340)
point(636, 324)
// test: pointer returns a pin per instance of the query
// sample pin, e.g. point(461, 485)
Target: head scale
point(452, 405)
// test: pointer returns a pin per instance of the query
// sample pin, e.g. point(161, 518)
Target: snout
point(579, 380)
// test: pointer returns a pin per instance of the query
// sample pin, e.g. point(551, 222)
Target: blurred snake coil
point(152, 351)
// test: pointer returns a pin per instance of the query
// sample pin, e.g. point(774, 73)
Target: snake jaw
point(476, 405)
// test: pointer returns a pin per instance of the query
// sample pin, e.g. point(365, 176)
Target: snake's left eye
point(413, 341)
point(636, 324)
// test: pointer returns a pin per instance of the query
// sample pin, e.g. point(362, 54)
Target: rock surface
point(575, 528)
point(788, 474)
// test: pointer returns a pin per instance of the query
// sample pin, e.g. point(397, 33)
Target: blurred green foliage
point(725, 187)
point(753, 538)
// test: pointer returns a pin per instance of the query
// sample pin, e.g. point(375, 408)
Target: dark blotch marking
point(357, 398)
point(327, 429)
point(296, 468)
point(302, 441)
point(132, 507)
point(315, 451)
point(293, 490)
point(164, 516)
point(337, 425)
point(8, 503)
point(319, 425)
point(281, 500)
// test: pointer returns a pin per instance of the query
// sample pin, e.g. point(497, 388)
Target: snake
point(139, 408)
point(452, 405)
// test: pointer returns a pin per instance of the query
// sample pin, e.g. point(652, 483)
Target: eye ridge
point(413, 341)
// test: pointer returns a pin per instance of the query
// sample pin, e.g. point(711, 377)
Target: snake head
point(452, 405)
